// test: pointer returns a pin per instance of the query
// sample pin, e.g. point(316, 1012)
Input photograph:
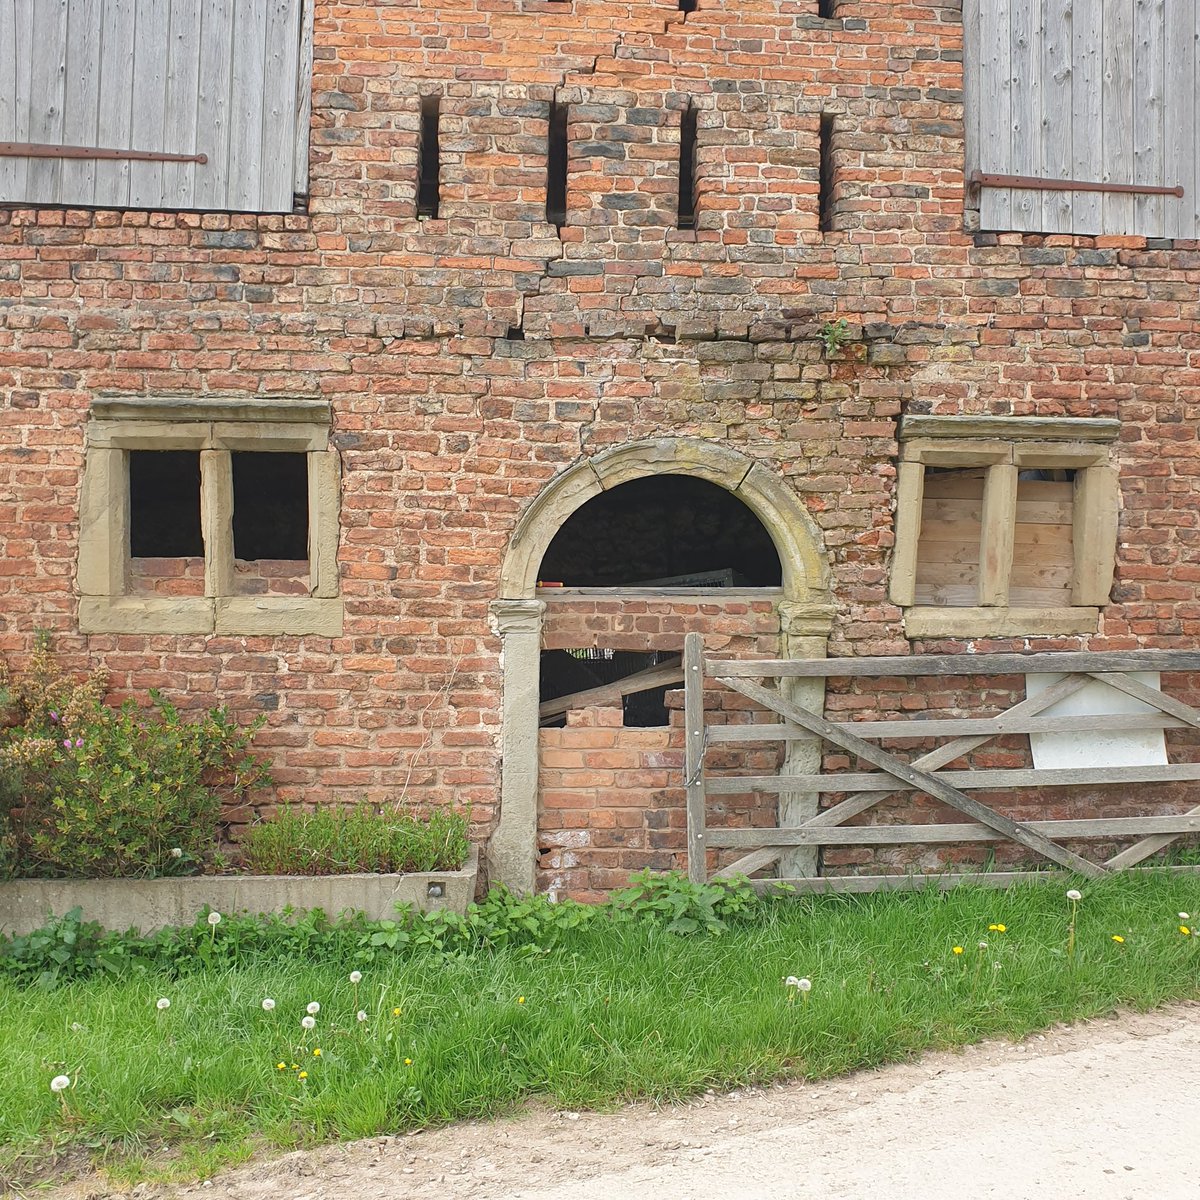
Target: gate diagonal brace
point(923, 781)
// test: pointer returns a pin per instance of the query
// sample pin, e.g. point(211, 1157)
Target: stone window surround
point(1005, 445)
point(215, 427)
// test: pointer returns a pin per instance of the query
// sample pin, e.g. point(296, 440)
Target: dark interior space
point(164, 504)
point(270, 506)
point(565, 672)
point(664, 531)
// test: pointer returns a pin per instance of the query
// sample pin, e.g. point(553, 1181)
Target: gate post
point(804, 633)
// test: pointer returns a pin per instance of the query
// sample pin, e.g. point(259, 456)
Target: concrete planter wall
point(146, 904)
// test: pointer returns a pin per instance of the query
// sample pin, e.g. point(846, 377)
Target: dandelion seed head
point(268, 1004)
point(176, 852)
point(804, 985)
point(60, 1083)
point(1184, 917)
point(313, 1008)
point(361, 1015)
point(356, 977)
point(1074, 894)
point(309, 1022)
point(162, 1003)
point(983, 945)
point(214, 918)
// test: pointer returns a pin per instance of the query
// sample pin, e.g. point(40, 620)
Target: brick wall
point(448, 427)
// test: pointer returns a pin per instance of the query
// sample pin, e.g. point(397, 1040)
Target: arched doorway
point(800, 594)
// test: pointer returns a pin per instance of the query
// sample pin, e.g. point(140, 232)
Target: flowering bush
point(90, 790)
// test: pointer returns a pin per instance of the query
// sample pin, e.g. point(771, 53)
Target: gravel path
point(1108, 1110)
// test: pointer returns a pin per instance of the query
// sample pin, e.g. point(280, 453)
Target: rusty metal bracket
point(46, 150)
point(991, 179)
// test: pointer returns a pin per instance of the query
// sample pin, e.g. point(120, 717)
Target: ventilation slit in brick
point(556, 166)
point(688, 6)
point(164, 504)
point(428, 158)
point(270, 506)
point(827, 8)
point(687, 169)
point(827, 179)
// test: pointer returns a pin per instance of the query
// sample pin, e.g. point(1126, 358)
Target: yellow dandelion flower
point(408, 1062)
point(958, 949)
point(1116, 937)
point(295, 1066)
point(395, 1012)
point(281, 1066)
point(317, 1052)
point(1185, 931)
point(998, 928)
point(520, 999)
point(302, 1075)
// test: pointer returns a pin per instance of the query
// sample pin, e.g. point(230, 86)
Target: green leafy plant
point(340, 841)
point(685, 907)
point(834, 335)
point(95, 791)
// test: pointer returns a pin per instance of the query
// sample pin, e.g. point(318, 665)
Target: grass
point(340, 841)
point(617, 1012)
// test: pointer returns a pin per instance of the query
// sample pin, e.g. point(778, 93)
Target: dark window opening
point(428, 158)
point(566, 673)
point(687, 169)
point(164, 504)
point(827, 8)
point(687, 6)
point(556, 165)
point(664, 531)
point(270, 506)
point(827, 176)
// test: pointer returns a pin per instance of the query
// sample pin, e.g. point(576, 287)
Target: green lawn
point(616, 1011)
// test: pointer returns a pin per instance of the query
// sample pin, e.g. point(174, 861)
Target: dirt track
point(1108, 1110)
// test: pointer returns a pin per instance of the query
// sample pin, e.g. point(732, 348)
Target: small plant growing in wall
point(834, 335)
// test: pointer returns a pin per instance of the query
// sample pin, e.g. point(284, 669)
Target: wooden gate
point(925, 774)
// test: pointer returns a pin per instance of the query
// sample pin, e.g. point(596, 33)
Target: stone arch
point(806, 614)
point(806, 577)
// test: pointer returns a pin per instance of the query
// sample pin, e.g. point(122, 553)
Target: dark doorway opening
point(663, 531)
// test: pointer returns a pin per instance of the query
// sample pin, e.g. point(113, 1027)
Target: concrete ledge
point(146, 904)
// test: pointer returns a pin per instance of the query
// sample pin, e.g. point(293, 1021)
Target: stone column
point(512, 851)
point(804, 633)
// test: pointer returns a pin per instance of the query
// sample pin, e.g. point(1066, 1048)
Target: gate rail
point(925, 774)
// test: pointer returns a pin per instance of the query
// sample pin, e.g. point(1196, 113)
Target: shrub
point(96, 791)
point(340, 841)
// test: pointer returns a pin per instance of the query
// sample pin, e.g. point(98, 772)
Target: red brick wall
point(447, 429)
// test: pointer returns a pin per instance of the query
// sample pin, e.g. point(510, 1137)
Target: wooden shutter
point(1100, 91)
point(228, 79)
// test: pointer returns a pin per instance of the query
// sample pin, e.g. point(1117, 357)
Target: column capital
point(799, 619)
point(517, 616)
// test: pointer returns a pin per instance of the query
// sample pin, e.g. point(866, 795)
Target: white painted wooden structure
point(227, 79)
point(1099, 91)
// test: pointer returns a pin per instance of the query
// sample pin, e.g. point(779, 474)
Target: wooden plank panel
point(1149, 30)
point(213, 116)
point(1117, 102)
point(853, 781)
point(1094, 538)
point(81, 107)
point(972, 84)
point(182, 96)
point(1056, 112)
point(1182, 216)
point(150, 50)
point(996, 530)
point(304, 90)
point(279, 104)
point(48, 87)
point(995, 143)
point(117, 33)
point(1025, 32)
point(910, 491)
point(1087, 38)
point(247, 93)
point(15, 58)
point(906, 772)
point(1065, 662)
point(967, 831)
